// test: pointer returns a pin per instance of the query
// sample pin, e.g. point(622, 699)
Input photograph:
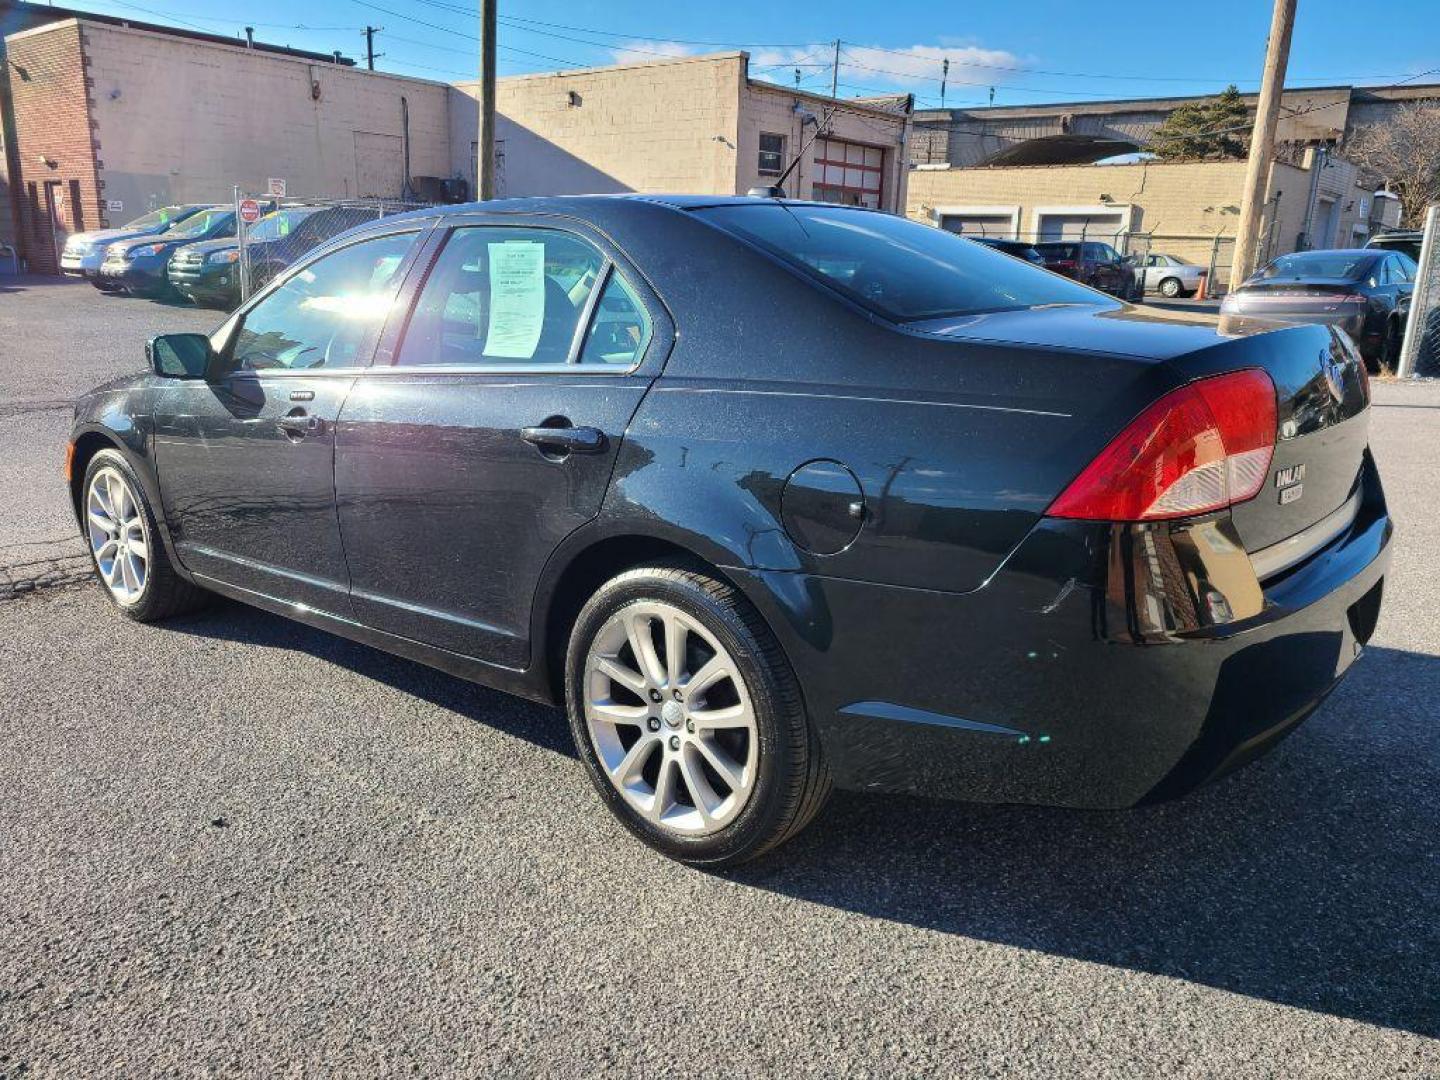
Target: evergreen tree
point(1212, 130)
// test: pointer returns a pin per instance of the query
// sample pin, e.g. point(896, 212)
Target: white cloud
point(916, 68)
point(636, 52)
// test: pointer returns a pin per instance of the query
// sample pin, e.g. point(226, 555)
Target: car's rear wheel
point(1170, 288)
point(125, 546)
point(689, 719)
point(1390, 349)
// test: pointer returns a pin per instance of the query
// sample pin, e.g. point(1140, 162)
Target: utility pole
point(944, 77)
point(1262, 142)
point(370, 46)
point(835, 71)
point(486, 166)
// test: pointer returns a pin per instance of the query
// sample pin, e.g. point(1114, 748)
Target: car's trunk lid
point(1322, 399)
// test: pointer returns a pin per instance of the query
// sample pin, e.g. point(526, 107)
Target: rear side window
point(900, 269)
point(506, 296)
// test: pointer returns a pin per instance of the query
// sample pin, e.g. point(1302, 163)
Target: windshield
point(1345, 265)
point(279, 224)
point(900, 269)
point(201, 223)
point(155, 218)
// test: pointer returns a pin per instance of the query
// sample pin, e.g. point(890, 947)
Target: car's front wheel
point(125, 545)
point(689, 719)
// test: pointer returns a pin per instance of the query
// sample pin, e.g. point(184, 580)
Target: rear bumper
point(1102, 666)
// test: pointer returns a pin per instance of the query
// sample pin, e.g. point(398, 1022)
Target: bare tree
point(1405, 150)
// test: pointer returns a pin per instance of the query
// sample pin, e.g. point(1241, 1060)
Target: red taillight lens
point(1200, 448)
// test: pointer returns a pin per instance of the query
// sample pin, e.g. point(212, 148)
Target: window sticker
point(517, 299)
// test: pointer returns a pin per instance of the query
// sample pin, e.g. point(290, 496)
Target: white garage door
point(1102, 227)
point(379, 165)
point(979, 224)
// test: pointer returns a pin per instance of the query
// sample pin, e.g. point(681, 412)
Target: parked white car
point(1169, 275)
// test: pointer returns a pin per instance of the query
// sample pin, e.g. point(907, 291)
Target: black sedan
point(1362, 291)
point(769, 495)
point(138, 266)
point(1018, 248)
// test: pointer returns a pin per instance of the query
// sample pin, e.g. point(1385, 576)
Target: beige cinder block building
point(1178, 208)
point(693, 124)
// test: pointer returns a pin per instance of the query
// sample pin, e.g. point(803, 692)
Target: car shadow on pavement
point(227, 620)
point(1310, 878)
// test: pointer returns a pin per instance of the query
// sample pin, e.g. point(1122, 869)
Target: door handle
point(299, 424)
point(565, 440)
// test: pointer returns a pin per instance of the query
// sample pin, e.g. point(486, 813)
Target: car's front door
point(487, 430)
point(246, 458)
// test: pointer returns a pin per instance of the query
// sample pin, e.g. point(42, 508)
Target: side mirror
point(179, 356)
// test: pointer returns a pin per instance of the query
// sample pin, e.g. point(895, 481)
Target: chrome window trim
point(1296, 549)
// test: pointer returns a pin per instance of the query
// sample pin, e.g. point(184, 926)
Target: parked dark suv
point(1091, 263)
point(769, 495)
point(208, 272)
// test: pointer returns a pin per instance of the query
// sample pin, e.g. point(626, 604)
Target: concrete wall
point(185, 121)
point(773, 109)
point(1189, 202)
point(689, 125)
point(667, 126)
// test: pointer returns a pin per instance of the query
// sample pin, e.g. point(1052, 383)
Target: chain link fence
point(1153, 258)
point(284, 229)
point(1420, 350)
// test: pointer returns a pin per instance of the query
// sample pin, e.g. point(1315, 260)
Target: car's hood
point(141, 241)
point(105, 237)
point(1118, 330)
point(207, 246)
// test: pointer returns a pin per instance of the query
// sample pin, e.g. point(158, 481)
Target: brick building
point(108, 119)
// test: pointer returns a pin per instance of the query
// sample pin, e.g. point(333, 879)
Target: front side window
point(900, 269)
point(322, 315)
point(772, 154)
point(202, 223)
point(277, 225)
point(505, 296)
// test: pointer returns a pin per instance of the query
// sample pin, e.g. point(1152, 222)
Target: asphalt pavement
point(232, 845)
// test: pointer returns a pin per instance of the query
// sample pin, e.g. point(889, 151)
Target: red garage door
point(848, 173)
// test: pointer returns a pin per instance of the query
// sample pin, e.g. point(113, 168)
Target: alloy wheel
point(118, 541)
point(670, 718)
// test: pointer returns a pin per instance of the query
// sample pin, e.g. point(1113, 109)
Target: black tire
point(164, 592)
point(1390, 348)
point(792, 779)
point(1170, 288)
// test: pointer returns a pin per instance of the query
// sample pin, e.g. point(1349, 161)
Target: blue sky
point(1030, 51)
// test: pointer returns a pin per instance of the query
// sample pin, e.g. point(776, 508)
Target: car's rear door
point(487, 429)
point(246, 458)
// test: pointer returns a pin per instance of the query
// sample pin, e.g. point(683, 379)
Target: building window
point(848, 173)
point(772, 154)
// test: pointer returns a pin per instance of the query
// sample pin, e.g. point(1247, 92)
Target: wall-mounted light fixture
point(575, 100)
point(48, 162)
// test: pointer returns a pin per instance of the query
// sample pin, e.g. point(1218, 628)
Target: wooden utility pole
point(485, 170)
point(1262, 142)
point(835, 71)
point(370, 46)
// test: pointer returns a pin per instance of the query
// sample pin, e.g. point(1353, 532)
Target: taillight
point(1200, 448)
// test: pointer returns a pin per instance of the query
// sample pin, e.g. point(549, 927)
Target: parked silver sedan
point(1169, 275)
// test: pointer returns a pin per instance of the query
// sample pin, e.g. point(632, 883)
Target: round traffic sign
point(249, 211)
